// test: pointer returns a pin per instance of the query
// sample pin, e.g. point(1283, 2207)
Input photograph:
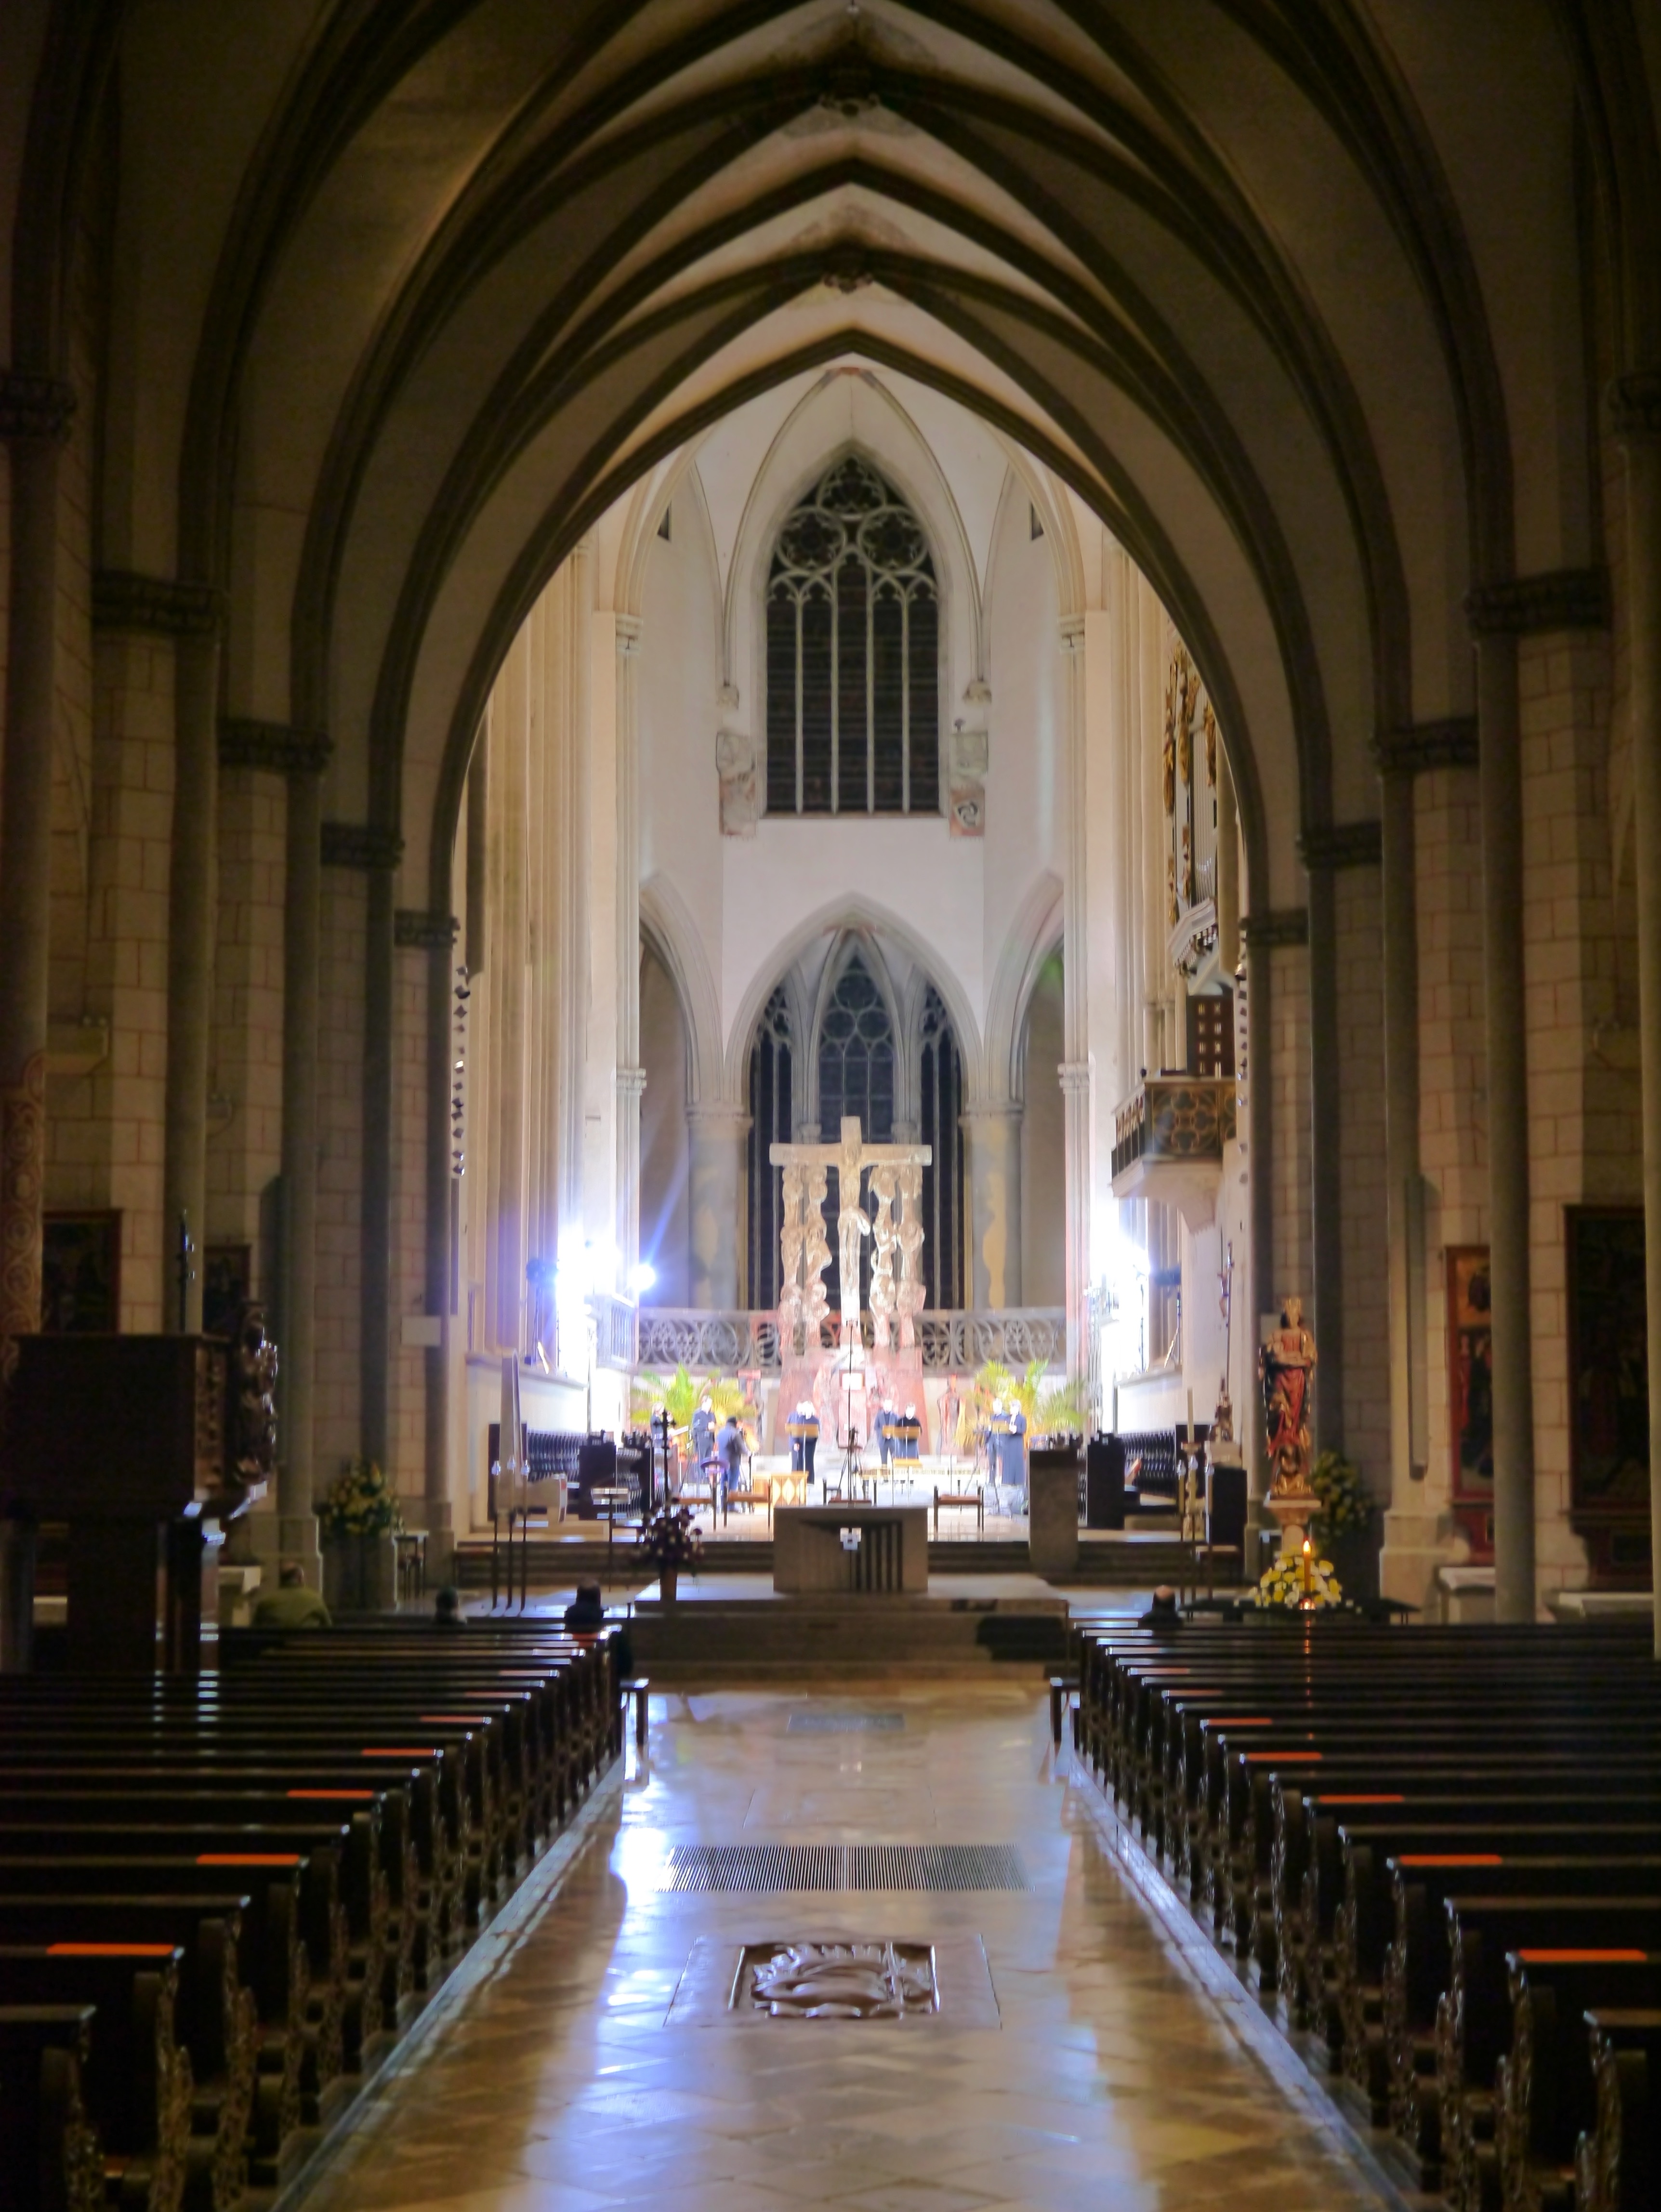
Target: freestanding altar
point(823, 1551)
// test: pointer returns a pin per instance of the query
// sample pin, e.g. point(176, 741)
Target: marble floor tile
point(1116, 2079)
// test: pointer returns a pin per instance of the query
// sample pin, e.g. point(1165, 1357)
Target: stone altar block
point(809, 1559)
point(1052, 1528)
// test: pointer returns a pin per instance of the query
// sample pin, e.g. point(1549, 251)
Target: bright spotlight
point(642, 1276)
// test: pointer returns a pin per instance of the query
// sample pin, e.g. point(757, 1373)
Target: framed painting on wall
point(1609, 1388)
point(226, 1271)
point(1470, 1394)
point(80, 1274)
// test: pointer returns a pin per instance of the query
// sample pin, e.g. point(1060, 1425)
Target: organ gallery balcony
point(1168, 1140)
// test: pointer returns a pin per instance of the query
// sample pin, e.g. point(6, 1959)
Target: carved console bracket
point(156, 605)
point(419, 931)
point(1342, 845)
point(1424, 745)
point(35, 407)
point(273, 747)
point(1529, 606)
point(360, 845)
point(1282, 926)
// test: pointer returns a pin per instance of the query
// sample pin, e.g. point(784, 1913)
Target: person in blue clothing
point(729, 1449)
point(703, 1436)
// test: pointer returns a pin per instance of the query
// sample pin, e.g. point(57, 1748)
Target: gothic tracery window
point(853, 650)
point(769, 1125)
point(857, 1076)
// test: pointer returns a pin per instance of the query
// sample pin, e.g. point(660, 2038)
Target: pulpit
point(142, 1444)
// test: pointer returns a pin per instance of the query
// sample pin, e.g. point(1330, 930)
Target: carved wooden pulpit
point(138, 1443)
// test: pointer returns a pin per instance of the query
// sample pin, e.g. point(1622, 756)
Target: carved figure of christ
point(851, 1158)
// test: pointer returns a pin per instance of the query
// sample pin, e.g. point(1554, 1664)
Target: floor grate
point(818, 1723)
point(752, 1867)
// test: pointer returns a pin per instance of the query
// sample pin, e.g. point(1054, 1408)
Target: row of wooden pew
point(222, 1901)
point(1437, 1854)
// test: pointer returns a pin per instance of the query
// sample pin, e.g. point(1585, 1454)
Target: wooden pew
point(1544, 2088)
point(137, 2080)
point(1618, 2160)
point(54, 2161)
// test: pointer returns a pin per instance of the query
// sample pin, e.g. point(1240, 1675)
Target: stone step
point(1136, 1561)
point(697, 1639)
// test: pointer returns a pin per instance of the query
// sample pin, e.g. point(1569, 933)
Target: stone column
point(1076, 1105)
point(994, 1205)
point(435, 934)
point(34, 420)
point(1401, 942)
point(1260, 936)
point(1637, 409)
point(630, 1076)
point(1495, 619)
point(1074, 1070)
point(190, 901)
point(717, 1135)
point(302, 912)
point(384, 850)
point(1326, 1234)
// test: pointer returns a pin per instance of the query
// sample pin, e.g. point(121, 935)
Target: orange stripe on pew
point(1583, 1957)
point(1236, 1720)
point(247, 1858)
point(1303, 1757)
point(1329, 1797)
point(111, 1950)
point(1450, 1858)
point(356, 1795)
point(401, 1751)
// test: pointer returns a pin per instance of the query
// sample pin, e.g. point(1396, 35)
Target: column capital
point(41, 407)
point(629, 628)
point(1005, 1109)
point(1341, 845)
point(1075, 1075)
point(1635, 407)
point(122, 599)
point(1072, 633)
point(360, 845)
point(630, 1081)
point(419, 931)
point(720, 1119)
point(1421, 746)
point(272, 746)
point(1279, 925)
point(1529, 606)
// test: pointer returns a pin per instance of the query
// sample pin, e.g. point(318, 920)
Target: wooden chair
point(971, 1500)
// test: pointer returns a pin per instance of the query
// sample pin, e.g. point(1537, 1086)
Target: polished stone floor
point(1130, 2070)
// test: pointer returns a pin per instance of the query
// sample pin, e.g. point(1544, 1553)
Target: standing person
point(883, 1432)
point(704, 1437)
point(803, 1428)
point(1013, 1452)
point(729, 1449)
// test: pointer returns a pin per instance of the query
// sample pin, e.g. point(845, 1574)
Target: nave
point(1128, 2069)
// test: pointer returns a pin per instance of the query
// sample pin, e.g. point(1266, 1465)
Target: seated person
point(291, 1605)
point(586, 1614)
point(446, 1609)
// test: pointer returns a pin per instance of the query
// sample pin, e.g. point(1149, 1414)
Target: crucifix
point(896, 1176)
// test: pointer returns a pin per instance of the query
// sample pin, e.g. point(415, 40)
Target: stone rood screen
point(805, 1251)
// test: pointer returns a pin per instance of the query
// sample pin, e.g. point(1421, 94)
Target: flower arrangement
point(361, 1503)
point(1346, 1503)
point(669, 1539)
point(1298, 1582)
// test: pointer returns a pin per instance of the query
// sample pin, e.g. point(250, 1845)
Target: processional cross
point(895, 1174)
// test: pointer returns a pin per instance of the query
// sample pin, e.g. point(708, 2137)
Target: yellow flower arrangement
point(1298, 1582)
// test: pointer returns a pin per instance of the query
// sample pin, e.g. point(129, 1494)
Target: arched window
point(940, 1097)
point(769, 1125)
point(853, 654)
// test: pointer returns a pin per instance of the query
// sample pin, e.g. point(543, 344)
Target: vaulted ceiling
point(400, 295)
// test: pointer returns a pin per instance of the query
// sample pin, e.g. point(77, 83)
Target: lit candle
point(1306, 1558)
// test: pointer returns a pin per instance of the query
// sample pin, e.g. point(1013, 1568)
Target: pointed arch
point(1033, 935)
point(666, 923)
